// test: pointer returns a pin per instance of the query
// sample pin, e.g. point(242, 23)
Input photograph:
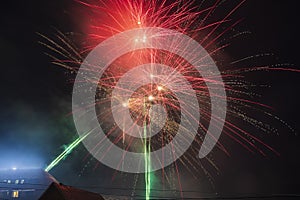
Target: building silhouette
point(24, 184)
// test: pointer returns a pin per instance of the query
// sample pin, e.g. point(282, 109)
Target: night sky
point(35, 119)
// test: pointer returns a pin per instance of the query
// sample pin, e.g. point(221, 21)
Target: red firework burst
point(108, 18)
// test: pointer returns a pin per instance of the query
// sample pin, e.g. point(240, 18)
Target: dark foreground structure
point(62, 192)
point(24, 184)
point(34, 184)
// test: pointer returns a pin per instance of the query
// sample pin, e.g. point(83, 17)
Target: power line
point(217, 197)
point(227, 197)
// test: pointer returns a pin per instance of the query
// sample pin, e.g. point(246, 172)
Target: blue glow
point(14, 160)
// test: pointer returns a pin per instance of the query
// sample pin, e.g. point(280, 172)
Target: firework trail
point(112, 17)
point(65, 153)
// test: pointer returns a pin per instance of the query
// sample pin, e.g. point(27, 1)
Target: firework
point(65, 153)
point(113, 17)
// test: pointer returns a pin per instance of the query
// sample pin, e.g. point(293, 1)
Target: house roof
point(62, 192)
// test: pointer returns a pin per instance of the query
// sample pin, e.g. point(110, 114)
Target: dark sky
point(36, 96)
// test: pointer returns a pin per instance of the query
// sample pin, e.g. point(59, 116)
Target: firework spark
point(111, 17)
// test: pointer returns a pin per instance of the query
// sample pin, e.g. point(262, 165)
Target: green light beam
point(147, 160)
point(65, 153)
